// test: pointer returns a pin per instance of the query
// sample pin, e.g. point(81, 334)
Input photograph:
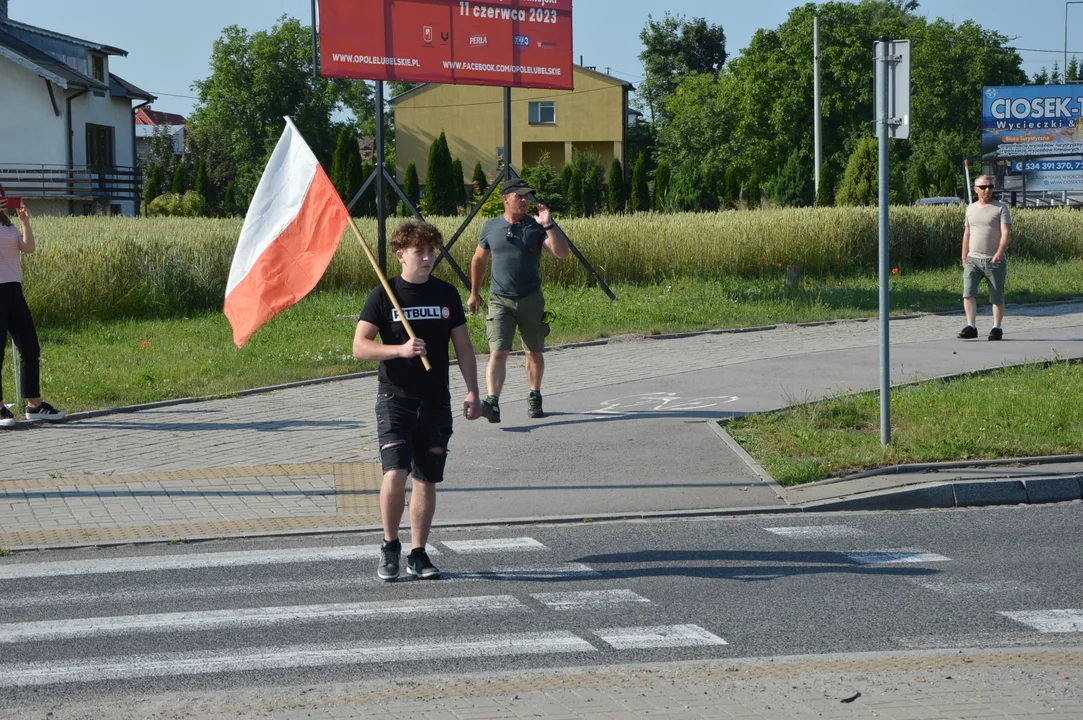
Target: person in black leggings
point(15, 317)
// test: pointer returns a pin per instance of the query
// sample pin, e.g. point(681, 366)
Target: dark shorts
point(408, 428)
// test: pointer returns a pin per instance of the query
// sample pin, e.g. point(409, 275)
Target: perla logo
point(432, 312)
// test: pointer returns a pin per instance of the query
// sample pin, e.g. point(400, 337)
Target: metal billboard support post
point(816, 117)
point(381, 199)
point(508, 174)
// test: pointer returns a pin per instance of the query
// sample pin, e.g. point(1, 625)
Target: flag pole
point(387, 288)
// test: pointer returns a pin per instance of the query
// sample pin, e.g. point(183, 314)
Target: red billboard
point(507, 43)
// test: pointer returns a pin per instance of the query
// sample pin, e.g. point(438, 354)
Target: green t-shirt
point(516, 253)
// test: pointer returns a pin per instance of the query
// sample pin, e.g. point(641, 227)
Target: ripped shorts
point(408, 428)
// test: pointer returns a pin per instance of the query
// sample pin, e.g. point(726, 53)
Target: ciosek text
point(538, 15)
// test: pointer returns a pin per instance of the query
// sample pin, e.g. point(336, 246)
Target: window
point(543, 113)
point(100, 146)
point(97, 67)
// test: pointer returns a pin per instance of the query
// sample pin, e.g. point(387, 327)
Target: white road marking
point(494, 545)
point(1049, 621)
point(568, 571)
point(630, 638)
point(51, 630)
point(258, 658)
point(883, 557)
point(188, 561)
point(816, 531)
point(430, 549)
point(587, 599)
point(991, 587)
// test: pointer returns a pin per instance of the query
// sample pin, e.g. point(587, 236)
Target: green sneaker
point(490, 409)
point(534, 405)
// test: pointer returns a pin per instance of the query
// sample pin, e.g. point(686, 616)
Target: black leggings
point(15, 319)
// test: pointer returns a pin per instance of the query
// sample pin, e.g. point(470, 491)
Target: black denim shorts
point(408, 429)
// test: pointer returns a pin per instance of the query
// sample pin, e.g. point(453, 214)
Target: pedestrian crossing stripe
point(1049, 621)
point(816, 531)
point(662, 636)
point(244, 618)
point(587, 599)
point(494, 545)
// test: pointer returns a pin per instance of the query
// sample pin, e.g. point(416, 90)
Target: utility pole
point(816, 120)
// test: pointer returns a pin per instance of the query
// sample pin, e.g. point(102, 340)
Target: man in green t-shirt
point(987, 231)
point(515, 242)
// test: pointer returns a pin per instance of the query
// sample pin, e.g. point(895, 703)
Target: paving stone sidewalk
point(304, 458)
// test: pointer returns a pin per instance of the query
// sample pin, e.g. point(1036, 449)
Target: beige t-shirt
point(984, 224)
point(11, 269)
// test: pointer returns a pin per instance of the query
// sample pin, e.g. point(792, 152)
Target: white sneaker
point(7, 420)
point(45, 412)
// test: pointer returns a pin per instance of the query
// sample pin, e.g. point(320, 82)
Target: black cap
point(519, 187)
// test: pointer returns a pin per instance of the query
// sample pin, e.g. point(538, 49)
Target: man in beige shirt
point(988, 229)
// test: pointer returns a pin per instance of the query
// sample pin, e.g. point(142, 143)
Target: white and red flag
point(293, 227)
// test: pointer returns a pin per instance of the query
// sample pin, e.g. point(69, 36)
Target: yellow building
point(591, 118)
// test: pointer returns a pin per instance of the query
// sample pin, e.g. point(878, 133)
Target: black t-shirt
point(434, 309)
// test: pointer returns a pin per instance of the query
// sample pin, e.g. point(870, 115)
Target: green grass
point(119, 268)
point(94, 364)
point(1022, 411)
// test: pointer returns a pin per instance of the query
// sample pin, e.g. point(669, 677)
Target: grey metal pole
point(507, 134)
point(883, 104)
point(816, 119)
point(17, 370)
point(315, 45)
point(381, 200)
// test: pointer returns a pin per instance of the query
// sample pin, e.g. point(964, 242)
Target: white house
point(67, 131)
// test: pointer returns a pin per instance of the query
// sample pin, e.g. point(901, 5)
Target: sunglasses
point(510, 236)
point(984, 187)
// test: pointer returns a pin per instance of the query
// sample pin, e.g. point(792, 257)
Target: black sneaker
point(419, 565)
point(390, 552)
point(996, 334)
point(7, 420)
point(968, 333)
point(534, 405)
point(490, 409)
point(45, 412)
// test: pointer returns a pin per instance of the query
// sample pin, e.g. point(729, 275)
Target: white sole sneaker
point(54, 416)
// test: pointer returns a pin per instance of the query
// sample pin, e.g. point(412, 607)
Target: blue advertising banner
point(1032, 121)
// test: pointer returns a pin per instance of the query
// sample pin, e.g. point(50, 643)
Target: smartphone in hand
point(10, 203)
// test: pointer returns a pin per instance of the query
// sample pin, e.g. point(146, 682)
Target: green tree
point(686, 191)
point(731, 188)
point(566, 183)
point(1072, 72)
point(340, 161)
point(710, 188)
point(792, 186)
point(861, 179)
point(438, 180)
point(153, 187)
point(753, 191)
point(825, 195)
point(592, 191)
point(546, 183)
point(178, 187)
point(161, 151)
point(661, 186)
point(458, 184)
point(921, 179)
point(203, 183)
point(411, 184)
point(255, 80)
point(574, 193)
point(615, 196)
point(479, 181)
point(947, 179)
point(672, 48)
point(228, 201)
point(640, 200)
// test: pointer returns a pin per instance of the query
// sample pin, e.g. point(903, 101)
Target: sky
point(169, 44)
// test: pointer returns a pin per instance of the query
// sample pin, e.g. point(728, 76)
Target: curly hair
point(415, 234)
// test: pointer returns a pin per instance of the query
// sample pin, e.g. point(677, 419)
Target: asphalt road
point(238, 616)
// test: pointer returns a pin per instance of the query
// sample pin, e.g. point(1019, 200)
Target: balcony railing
point(79, 182)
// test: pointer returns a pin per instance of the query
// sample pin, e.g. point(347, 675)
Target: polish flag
point(290, 234)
